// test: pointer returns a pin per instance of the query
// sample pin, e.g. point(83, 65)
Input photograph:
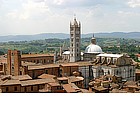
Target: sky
point(20, 17)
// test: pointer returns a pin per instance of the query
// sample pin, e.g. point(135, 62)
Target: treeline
point(108, 45)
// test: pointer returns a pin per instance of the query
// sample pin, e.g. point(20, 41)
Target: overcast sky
point(53, 16)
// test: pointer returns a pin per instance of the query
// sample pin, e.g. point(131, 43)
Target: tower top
point(75, 23)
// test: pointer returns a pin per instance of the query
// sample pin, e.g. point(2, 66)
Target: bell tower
point(75, 41)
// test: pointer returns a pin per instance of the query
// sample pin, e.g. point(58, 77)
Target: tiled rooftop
point(62, 78)
point(54, 84)
point(43, 66)
point(36, 82)
point(44, 76)
point(11, 82)
point(69, 88)
point(35, 55)
point(69, 64)
point(21, 77)
point(75, 79)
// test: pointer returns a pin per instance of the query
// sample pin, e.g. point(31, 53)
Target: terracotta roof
point(54, 84)
point(75, 87)
point(69, 88)
point(11, 82)
point(44, 76)
point(100, 88)
point(62, 78)
point(75, 79)
point(36, 82)
point(118, 91)
point(5, 77)
point(36, 55)
point(113, 85)
point(132, 86)
point(130, 83)
point(43, 66)
point(21, 77)
point(68, 64)
point(85, 91)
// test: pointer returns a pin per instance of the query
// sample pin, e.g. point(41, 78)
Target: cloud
point(134, 3)
point(30, 9)
point(36, 16)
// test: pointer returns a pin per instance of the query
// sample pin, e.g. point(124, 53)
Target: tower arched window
point(130, 72)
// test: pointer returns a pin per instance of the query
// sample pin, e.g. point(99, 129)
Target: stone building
point(75, 41)
point(114, 64)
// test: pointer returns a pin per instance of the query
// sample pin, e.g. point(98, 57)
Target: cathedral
point(102, 64)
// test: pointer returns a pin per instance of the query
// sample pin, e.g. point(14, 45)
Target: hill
point(132, 35)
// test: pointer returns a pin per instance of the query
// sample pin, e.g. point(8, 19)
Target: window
point(46, 71)
point(7, 89)
point(108, 72)
point(15, 88)
point(31, 88)
point(44, 61)
point(130, 72)
point(117, 72)
point(71, 29)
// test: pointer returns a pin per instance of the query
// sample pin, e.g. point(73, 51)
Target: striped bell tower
point(75, 41)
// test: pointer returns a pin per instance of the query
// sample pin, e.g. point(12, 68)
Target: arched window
point(102, 72)
point(108, 72)
point(124, 72)
point(117, 72)
point(130, 72)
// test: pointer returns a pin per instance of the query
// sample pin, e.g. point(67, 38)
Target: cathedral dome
point(93, 48)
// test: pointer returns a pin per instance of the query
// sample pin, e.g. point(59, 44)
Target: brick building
point(13, 62)
point(38, 58)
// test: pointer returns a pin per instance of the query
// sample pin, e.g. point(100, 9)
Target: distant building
point(75, 41)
